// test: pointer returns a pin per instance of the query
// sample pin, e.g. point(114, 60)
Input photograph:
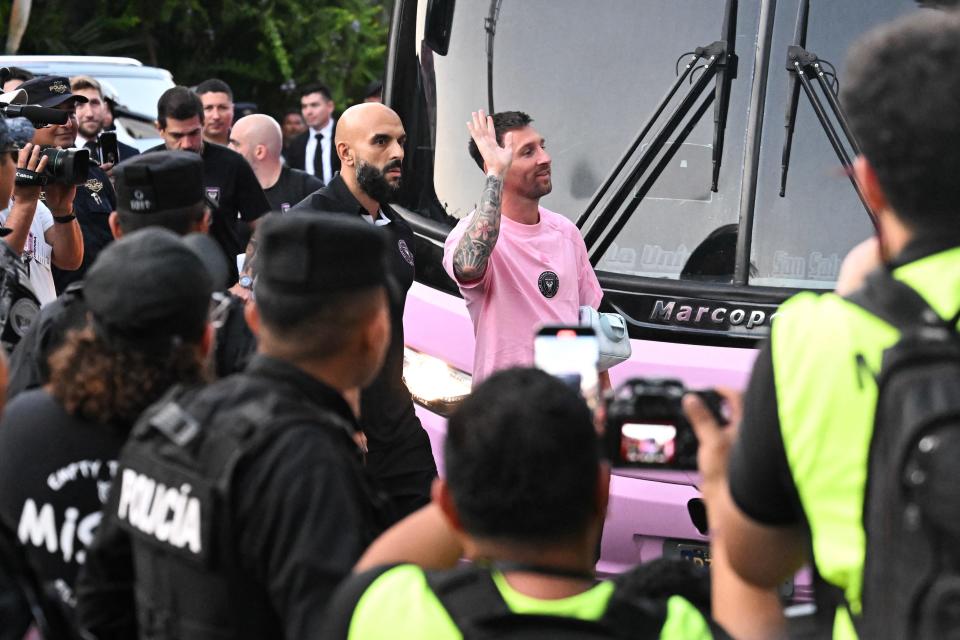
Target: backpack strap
point(895, 302)
point(469, 595)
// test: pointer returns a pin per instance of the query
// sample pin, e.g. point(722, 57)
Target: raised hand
point(497, 158)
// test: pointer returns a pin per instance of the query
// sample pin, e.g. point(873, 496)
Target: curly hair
point(111, 386)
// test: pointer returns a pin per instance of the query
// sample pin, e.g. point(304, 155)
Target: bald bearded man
point(370, 143)
point(259, 139)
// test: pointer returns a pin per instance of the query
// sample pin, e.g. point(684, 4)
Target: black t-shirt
point(94, 202)
point(760, 480)
point(231, 184)
point(291, 187)
point(55, 474)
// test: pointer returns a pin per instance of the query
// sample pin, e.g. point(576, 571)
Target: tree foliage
point(263, 48)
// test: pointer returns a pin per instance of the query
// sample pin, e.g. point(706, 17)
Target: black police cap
point(309, 253)
point(159, 181)
point(149, 285)
point(49, 91)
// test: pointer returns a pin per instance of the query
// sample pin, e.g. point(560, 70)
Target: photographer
point(35, 233)
point(94, 199)
point(531, 529)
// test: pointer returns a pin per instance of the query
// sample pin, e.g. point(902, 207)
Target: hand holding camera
point(31, 163)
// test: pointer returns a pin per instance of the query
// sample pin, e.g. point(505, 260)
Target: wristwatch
point(70, 217)
point(246, 282)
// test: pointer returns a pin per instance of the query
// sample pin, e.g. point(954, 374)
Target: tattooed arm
point(472, 255)
point(473, 252)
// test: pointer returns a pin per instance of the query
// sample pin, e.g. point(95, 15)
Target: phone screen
point(571, 354)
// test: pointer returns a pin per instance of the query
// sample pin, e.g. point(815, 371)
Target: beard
point(374, 183)
point(90, 129)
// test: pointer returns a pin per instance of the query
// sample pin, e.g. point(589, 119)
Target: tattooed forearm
point(473, 252)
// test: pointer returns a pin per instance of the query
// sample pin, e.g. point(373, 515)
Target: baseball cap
point(159, 181)
point(314, 253)
point(49, 91)
point(149, 287)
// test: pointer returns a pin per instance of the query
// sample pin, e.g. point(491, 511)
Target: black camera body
point(646, 427)
point(67, 166)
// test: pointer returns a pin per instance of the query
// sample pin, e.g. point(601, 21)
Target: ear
point(343, 151)
point(114, 223)
point(252, 315)
point(260, 152)
point(156, 123)
point(440, 495)
point(206, 340)
point(603, 490)
point(869, 185)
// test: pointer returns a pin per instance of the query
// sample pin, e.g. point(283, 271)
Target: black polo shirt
point(231, 184)
point(94, 202)
point(397, 442)
point(290, 188)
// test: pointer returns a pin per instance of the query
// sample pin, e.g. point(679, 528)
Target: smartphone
point(571, 354)
point(109, 151)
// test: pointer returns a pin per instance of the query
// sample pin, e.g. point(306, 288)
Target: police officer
point(797, 473)
point(156, 190)
point(370, 140)
point(259, 501)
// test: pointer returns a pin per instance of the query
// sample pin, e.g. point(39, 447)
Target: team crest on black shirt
point(549, 284)
point(405, 252)
point(213, 194)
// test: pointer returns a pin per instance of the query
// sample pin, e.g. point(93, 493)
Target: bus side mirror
point(439, 23)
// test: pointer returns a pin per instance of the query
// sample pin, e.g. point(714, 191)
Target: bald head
point(257, 138)
point(370, 140)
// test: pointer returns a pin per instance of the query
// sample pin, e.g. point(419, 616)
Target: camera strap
point(27, 178)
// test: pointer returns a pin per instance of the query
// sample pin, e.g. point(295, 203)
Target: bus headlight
point(433, 383)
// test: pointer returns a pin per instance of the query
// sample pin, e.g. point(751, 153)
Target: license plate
point(698, 554)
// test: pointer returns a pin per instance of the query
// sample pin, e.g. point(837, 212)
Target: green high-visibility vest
point(826, 353)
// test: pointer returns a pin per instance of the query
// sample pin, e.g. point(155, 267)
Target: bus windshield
point(591, 74)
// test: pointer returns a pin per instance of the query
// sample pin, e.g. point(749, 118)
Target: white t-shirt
point(39, 253)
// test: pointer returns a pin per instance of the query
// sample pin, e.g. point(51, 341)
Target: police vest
point(826, 353)
point(172, 495)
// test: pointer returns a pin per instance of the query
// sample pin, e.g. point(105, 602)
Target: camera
point(646, 427)
point(66, 166)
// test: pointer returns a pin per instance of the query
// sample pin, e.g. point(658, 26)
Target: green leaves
point(254, 45)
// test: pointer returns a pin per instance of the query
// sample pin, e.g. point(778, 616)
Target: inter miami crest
point(549, 284)
point(213, 195)
point(405, 252)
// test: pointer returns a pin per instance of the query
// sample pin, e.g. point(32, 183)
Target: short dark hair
point(178, 103)
point(901, 92)
point(317, 327)
point(522, 459)
point(19, 73)
point(214, 85)
point(502, 122)
point(181, 221)
point(292, 111)
point(316, 87)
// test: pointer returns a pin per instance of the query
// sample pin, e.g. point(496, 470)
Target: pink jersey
point(538, 274)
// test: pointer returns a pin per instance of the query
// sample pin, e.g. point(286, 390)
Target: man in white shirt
point(32, 230)
point(314, 151)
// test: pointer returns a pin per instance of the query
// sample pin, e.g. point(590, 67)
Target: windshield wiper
point(490, 26)
point(720, 64)
point(802, 64)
